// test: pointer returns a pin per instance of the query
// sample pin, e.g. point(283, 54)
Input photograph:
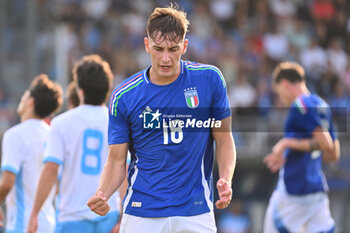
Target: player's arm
point(122, 191)
point(112, 177)
point(7, 182)
point(2, 220)
point(320, 140)
point(226, 160)
point(124, 186)
point(47, 180)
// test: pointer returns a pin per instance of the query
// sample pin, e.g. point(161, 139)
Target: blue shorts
point(102, 225)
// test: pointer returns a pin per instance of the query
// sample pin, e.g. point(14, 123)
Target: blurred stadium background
point(244, 38)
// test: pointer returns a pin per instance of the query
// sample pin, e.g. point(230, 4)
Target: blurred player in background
point(170, 174)
point(22, 156)
point(300, 202)
point(78, 143)
point(72, 96)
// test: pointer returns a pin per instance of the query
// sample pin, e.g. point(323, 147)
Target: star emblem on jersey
point(151, 119)
point(191, 97)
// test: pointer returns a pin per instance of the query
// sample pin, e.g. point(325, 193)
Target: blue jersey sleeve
point(220, 104)
point(118, 126)
point(311, 117)
point(331, 129)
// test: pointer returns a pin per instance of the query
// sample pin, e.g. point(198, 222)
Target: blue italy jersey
point(171, 146)
point(302, 172)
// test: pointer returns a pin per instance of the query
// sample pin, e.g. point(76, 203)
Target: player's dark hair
point(94, 76)
point(72, 95)
point(47, 95)
point(291, 71)
point(170, 22)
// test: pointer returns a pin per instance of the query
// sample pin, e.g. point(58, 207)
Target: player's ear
point(30, 101)
point(146, 41)
point(185, 46)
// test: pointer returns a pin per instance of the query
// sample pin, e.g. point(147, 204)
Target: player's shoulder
point(65, 117)
point(308, 103)
point(24, 129)
point(133, 80)
point(14, 131)
point(27, 126)
point(205, 70)
point(200, 67)
point(311, 100)
point(126, 87)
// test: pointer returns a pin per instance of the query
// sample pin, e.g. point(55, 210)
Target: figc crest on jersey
point(191, 96)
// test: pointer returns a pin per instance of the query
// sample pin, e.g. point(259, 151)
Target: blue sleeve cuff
point(10, 169)
point(53, 160)
point(223, 115)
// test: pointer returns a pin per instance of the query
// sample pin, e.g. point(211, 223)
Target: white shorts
point(203, 223)
point(298, 214)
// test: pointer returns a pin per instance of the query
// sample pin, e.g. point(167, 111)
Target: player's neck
point(27, 116)
point(298, 91)
point(302, 90)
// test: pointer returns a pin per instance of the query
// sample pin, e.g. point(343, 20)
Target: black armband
point(314, 144)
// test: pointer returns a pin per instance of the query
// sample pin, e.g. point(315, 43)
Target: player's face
point(282, 92)
point(23, 104)
point(165, 55)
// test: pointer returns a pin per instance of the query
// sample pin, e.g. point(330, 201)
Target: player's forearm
point(47, 180)
point(307, 145)
point(123, 187)
point(226, 157)
point(334, 154)
point(3, 192)
point(112, 177)
point(7, 182)
point(299, 144)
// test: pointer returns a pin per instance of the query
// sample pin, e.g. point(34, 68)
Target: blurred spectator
point(326, 84)
point(222, 9)
point(337, 56)
point(96, 8)
point(283, 8)
point(314, 59)
point(345, 77)
point(276, 44)
point(72, 96)
point(242, 94)
point(299, 37)
point(3, 98)
point(339, 99)
point(323, 10)
point(234, 219)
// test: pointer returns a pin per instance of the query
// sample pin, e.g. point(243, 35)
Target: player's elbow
point(334, 154)
point(327, 148)
point(326, 144)
point(6, 187)
point(336, 150)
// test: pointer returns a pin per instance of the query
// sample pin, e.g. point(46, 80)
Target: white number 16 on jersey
point(176, 134)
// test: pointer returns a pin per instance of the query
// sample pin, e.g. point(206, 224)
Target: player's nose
point(165, 57)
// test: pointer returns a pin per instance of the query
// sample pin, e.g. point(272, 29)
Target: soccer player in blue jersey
point(22, 156)
point(159, 114)
point(300, 202)
point(76, 151)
